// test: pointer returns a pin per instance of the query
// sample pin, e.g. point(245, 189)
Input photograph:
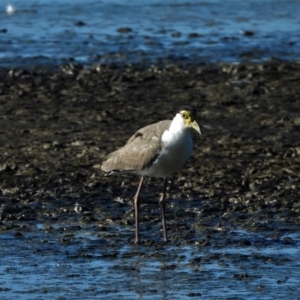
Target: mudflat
point(58, 124)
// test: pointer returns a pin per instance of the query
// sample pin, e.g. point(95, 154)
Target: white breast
point(177, 147)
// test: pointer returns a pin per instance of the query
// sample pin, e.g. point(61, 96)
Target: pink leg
point(137, 209)
point(163, 208)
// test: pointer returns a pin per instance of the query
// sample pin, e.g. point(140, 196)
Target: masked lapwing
point(157, 150)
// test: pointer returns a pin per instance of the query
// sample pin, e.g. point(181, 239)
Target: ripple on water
point(121, 31)
point(44, 264)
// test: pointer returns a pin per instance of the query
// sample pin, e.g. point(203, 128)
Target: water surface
point(138, 31)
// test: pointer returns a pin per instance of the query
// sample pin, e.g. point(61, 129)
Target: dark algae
point(232, 213)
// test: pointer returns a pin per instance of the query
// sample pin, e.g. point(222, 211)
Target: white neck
point(177, 125)
point(177, 147)
point(176, 130)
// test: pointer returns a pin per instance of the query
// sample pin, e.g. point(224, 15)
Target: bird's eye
point(184, 115)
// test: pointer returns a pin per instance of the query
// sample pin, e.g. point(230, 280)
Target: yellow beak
point(195, 125)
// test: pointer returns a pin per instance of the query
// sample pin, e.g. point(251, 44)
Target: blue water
point(41, 31)
point(40, 266)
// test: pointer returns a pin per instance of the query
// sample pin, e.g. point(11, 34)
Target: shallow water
point(91, 31)
point(47, 265)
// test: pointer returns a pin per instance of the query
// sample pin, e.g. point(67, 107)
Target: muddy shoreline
point(58, 124)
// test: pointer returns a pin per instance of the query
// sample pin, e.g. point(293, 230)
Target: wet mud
point(232, 214)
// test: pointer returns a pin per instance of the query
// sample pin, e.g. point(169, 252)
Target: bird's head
point(188, 115)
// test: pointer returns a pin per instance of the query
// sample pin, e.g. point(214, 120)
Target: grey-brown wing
point(139, 151)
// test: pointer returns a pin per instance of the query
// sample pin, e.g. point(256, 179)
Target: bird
point(156, 150)
point(10, 10)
